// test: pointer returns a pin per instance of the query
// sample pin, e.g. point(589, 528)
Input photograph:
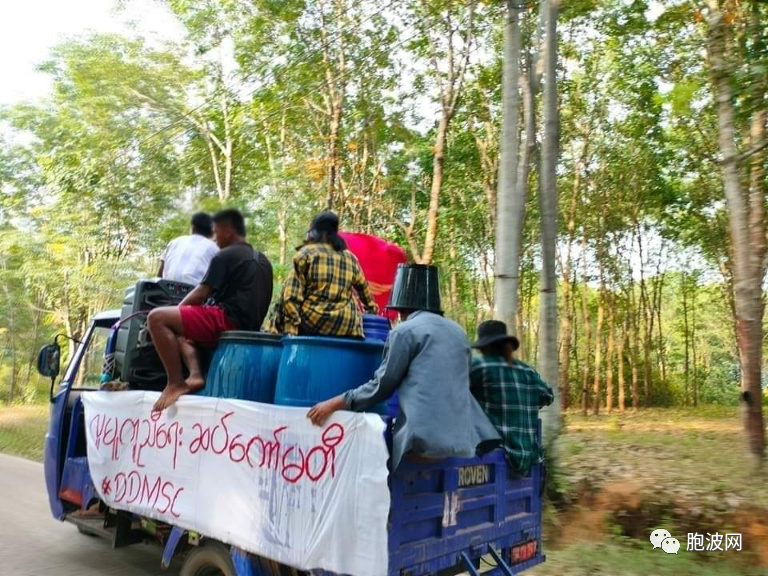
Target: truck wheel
point(209, 559)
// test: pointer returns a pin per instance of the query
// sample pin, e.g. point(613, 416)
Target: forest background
point(390, 114)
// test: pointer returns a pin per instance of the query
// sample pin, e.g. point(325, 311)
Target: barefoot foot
point(195, 382)
point(169, 396)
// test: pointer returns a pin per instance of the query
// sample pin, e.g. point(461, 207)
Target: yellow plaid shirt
point(319, 295)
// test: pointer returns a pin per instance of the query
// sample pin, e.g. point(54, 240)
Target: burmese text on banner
point(257, 476)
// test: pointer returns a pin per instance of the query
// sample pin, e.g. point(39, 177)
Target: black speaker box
point(135, 357)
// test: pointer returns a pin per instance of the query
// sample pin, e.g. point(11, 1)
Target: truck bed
point(445, 516)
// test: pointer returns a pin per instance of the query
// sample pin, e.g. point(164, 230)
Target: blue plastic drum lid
point(375, 327)
point(316, 368)
point(375, 321)
point(244, 367)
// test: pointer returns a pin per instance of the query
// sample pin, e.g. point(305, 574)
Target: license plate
point(523, 552)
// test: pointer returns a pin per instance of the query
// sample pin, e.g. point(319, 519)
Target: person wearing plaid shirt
point(510, 392)
point(318, 297)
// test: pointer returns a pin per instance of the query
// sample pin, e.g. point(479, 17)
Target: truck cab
point(65, 440)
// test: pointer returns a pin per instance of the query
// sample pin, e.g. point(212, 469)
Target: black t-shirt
point(241, 280)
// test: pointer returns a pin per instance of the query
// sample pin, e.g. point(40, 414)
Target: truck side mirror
point(49, 360)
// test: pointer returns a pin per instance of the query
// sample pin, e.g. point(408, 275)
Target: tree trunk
point(511, 208)
point(228, 166)
point(451, 90)
point(686, 339)
point(215, 167)
point(566, 329)
point(634, 343)
point(658, 288)
point(529, 283)
point(38, 319)
point(609, 354)
point(620, 354)
point(438, 161)
point(598, 350)
point(548, 204)
point(692, 341)
point(567, 324)
point(12, 329)
point(647, 316)
point(333, 154)
point(335, 76)
point(587, 330)
point(490, 162)
point(282, 212)
point(282, 232)
point(453, 263)
point(746, 227)
point(524, 168)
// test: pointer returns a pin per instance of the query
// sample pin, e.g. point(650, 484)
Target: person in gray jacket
point(427, 359)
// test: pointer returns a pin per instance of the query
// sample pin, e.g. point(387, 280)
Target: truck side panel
point(442, 510)
point(446, 516)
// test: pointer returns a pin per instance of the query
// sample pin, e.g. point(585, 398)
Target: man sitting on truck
point(234, 295)
point(510, 392)
point(318, 297)
point(186, 258)
point(426, 360)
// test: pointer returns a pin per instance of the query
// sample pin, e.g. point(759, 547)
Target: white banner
point(257, 476)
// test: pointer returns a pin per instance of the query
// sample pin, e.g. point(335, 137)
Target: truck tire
point(209, 559)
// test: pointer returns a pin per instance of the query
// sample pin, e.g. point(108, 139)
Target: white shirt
point(186, 259)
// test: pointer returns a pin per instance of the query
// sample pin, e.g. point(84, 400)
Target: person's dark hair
point(496, 349)
point(336, 241)
point(325, 228)
point(231, 217)
point(202, 224)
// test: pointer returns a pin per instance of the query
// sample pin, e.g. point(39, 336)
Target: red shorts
point(204, 324)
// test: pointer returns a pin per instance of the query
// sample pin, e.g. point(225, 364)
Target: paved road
point(32, 543)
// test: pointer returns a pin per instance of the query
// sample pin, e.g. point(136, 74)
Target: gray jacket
point(427, 360)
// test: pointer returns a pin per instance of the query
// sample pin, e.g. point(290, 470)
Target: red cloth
point(379, 260)
point(204, 324)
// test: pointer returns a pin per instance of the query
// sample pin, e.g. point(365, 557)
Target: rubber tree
point(518, 91)
point(513, 189)
point(511, 197)
point(548, 203)
point(744, 183)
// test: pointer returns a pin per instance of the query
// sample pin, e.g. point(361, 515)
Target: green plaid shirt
point(511, 395)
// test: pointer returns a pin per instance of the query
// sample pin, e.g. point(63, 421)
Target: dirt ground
point(621, 476)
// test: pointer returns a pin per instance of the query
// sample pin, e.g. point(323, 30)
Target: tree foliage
point(390, 113)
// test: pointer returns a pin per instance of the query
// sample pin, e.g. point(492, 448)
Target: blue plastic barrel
point(375, 327)
point(316, 368)
point(244, 367)
point(378, 328)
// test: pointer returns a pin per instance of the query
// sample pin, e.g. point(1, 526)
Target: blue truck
point(446, 517)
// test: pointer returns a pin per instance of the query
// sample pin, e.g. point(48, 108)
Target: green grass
point(616, 559)
point(696, 453)
point(22, 430)
point(694, 459)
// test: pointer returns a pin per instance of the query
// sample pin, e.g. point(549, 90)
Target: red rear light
point(523, 552)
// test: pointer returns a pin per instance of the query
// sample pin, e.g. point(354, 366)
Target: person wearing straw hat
point(426, 360)
point(318, 296)
point(510, 392)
